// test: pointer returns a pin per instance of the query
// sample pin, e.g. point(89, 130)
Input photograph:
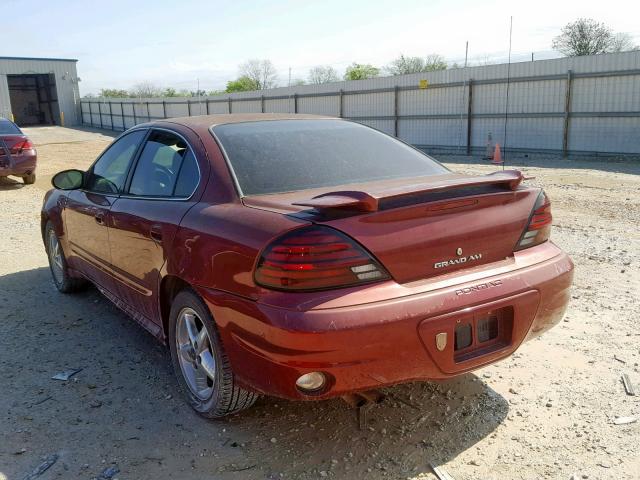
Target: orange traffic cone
point(497, 155)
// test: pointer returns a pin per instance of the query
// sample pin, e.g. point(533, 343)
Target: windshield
point(288, 155)
point(8, 128)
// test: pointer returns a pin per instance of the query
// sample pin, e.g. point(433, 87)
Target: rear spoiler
point(370, 202)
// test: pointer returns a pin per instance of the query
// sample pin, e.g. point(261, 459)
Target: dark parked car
point(18, 156)
point(305, 257)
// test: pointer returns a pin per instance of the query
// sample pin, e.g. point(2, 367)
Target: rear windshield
point(288, 155)
point(7, 128)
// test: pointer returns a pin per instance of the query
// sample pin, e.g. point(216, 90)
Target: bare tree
point(323, 74)
point(585, 36)
point(262, 72)
point(622, 42)
point(404, 65)
point(145, 89)
point(435, 62)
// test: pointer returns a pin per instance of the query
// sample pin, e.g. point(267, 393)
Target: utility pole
point(466, 53)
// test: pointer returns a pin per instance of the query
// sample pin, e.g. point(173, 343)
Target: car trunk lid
point(423, 228)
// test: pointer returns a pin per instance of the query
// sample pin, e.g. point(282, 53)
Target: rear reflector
point(538, 229)
point(315, 258)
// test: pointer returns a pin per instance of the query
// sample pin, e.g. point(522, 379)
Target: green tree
point(169, 92)
point(361, 71)
point(113, 93)
point(242, 84)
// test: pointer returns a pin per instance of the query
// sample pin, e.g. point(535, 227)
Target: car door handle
point(99, 218)
point(156, 233)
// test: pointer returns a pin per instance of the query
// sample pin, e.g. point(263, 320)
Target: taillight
point(316, 258)
point(538, 229)
point(21, 145)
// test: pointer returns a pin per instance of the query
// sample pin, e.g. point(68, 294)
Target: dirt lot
point(547, 412)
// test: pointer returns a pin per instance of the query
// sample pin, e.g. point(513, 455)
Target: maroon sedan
point(17, 154)
point(305, 257)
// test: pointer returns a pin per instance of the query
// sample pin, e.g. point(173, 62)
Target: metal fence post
point(229, 104)
point(189, 107)
point(100, 115)
point(111, 115)
point(207, 106)
point(295, 103)
point(124, 125)
point(469, 115)
point(340, 103)
point(135, 120)
point(148, 113)
point(164, 109)
point(261, 103)
point(395, 111)
point(90, 115)
point(567, 116)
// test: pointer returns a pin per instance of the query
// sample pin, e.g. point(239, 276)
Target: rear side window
point(9, 128)
point(289, 155)
point(165, 168)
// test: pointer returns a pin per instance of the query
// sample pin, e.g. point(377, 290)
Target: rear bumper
point(18, 165)
point(389, 341)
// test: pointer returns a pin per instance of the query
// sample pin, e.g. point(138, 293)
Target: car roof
point(201, 122)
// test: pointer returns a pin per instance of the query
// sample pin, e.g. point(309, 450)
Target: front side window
point(166, 167)
point(288, 155)
point(109, 173)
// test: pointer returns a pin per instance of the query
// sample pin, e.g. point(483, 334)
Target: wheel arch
point(170, 286)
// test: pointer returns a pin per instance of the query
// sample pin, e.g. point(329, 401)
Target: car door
point(146, 217)
point(87, 211)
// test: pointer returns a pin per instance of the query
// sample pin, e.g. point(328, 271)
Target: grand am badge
point(441, 341)
point(456, 261)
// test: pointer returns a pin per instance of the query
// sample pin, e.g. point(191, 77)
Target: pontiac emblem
point(441, 341)
point(459, 251)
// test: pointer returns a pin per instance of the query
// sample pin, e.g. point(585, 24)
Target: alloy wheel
point(55, 258)
point(195, 355)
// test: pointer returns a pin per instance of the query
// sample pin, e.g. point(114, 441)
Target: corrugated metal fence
point(581, 105)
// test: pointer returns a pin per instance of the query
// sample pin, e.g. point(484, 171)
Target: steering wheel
point(163, 176)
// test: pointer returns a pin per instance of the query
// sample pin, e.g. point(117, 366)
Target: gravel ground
point(546, 412)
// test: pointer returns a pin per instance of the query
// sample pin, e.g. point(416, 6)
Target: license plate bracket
point(482, 333)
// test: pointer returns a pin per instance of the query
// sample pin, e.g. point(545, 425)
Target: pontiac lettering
point(480, 286)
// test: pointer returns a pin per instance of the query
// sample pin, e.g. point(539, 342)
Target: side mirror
point(68, 179)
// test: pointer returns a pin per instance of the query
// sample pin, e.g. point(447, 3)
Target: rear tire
point(64, 282)
point(29, 179)
point(200, 362)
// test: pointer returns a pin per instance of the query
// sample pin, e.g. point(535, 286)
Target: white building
point(39, 91)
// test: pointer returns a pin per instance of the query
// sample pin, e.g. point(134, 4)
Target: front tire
point(64, 282)
point(200, 362)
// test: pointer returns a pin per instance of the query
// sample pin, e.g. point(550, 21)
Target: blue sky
point(174, 43)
